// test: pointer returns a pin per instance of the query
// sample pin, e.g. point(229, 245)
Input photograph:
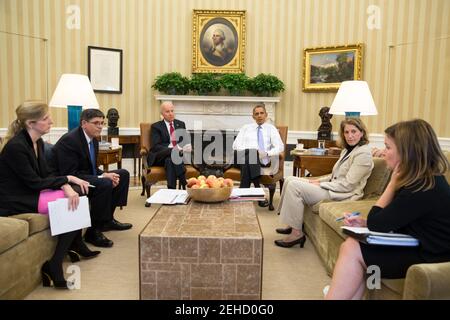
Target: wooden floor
point(135, 181)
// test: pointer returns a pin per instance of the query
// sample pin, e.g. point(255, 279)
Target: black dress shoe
point(287, 230)
point(301, 241)
point(98, 239)
point(263, 204)
point(116, 225)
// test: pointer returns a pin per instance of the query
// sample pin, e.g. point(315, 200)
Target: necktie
point(261, 146)
point(92, 156)
point(173, 139)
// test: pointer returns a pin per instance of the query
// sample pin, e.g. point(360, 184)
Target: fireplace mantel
point(218, 112)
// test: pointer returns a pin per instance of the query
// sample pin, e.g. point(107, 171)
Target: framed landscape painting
point(218, 41)
point(325, 68)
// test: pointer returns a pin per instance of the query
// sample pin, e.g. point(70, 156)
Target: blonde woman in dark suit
point(27, 186)
point(347, 181)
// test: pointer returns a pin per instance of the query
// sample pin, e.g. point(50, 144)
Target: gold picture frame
point(218, 41)
point(325, 68)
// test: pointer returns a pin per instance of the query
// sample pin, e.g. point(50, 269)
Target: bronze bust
point(324, 131)
point(113, 117)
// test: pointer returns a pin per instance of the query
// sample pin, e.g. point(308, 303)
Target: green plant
point(265, 85)
point(204, 83)
point(171, 83)
point(235, 83)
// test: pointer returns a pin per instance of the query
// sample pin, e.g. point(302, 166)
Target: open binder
point(169, 196)
point(380, 238)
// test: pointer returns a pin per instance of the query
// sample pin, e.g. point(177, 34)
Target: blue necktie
point(92, 155)
point(261, 146)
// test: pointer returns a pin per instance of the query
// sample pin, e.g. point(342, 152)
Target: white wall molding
point(376, 139)
point(218, 112)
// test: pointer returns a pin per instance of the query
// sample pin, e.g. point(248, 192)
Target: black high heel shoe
point(76, 254)
point(49, 277)
point(301, 241)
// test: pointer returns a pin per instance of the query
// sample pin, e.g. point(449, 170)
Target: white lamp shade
point(74, 90)
point(354, 96)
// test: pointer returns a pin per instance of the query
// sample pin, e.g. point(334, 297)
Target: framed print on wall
point(218, 41)
point(105, 69)
point(325, 68)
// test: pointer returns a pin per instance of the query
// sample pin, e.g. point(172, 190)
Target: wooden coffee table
point(202, 251)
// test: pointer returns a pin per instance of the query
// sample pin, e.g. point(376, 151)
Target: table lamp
point(353, 99)
point(74, 92)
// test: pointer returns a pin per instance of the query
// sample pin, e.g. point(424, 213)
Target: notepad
point(63, 220)
point(380, 238)
point(169, 196)
point(247, 194)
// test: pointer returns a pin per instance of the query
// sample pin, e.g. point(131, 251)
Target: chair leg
point(143, 185)
point(272, 188)
point(281, 184)
point(148, 185)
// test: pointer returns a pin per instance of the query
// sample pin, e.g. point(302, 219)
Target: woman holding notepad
point(416, 202)
point(26, 185)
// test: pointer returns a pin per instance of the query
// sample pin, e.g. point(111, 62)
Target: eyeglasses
point(97, 123)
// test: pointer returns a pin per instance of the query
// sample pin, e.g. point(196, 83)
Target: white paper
point(169, 196)
point(62, 220)
point(242, 192)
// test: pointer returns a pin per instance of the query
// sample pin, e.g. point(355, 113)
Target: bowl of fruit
point(209, 189)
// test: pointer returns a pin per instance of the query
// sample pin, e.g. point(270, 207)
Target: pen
point(351, 215)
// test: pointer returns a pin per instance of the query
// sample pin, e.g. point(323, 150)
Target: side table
point(110, 156)
point(316, 165)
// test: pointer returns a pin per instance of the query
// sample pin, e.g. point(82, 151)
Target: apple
point(191, 182)
point(201, 177)
point(228, 182)
point(195, 186)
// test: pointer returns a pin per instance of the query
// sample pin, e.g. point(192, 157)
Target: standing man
point(256, 145)
point(76, 153)
point(168, 140)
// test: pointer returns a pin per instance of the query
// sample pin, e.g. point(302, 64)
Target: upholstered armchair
point(154, 174)
point(269, 181)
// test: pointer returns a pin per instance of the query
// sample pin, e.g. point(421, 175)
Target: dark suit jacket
point(71, 155)
point(160, 139)
point(23, 176)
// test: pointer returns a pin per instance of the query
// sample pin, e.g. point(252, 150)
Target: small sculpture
point(326, 126)
point(113, 117)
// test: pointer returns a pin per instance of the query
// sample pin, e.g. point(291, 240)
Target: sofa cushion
point(36, 222)
point(330, 211)
point(12, 231)
point(378, 179)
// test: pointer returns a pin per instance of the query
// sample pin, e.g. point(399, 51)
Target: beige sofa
point(423, 281)
point(25, 244)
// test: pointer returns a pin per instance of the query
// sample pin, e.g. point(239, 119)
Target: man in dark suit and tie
point(75, 153)
point(169, 139)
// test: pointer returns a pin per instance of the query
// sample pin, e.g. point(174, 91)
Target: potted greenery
point(235, 83)
point(171, 83)
point(265, 85)
point(204, 83)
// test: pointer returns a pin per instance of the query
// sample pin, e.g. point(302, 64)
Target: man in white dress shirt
point(257, 146)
